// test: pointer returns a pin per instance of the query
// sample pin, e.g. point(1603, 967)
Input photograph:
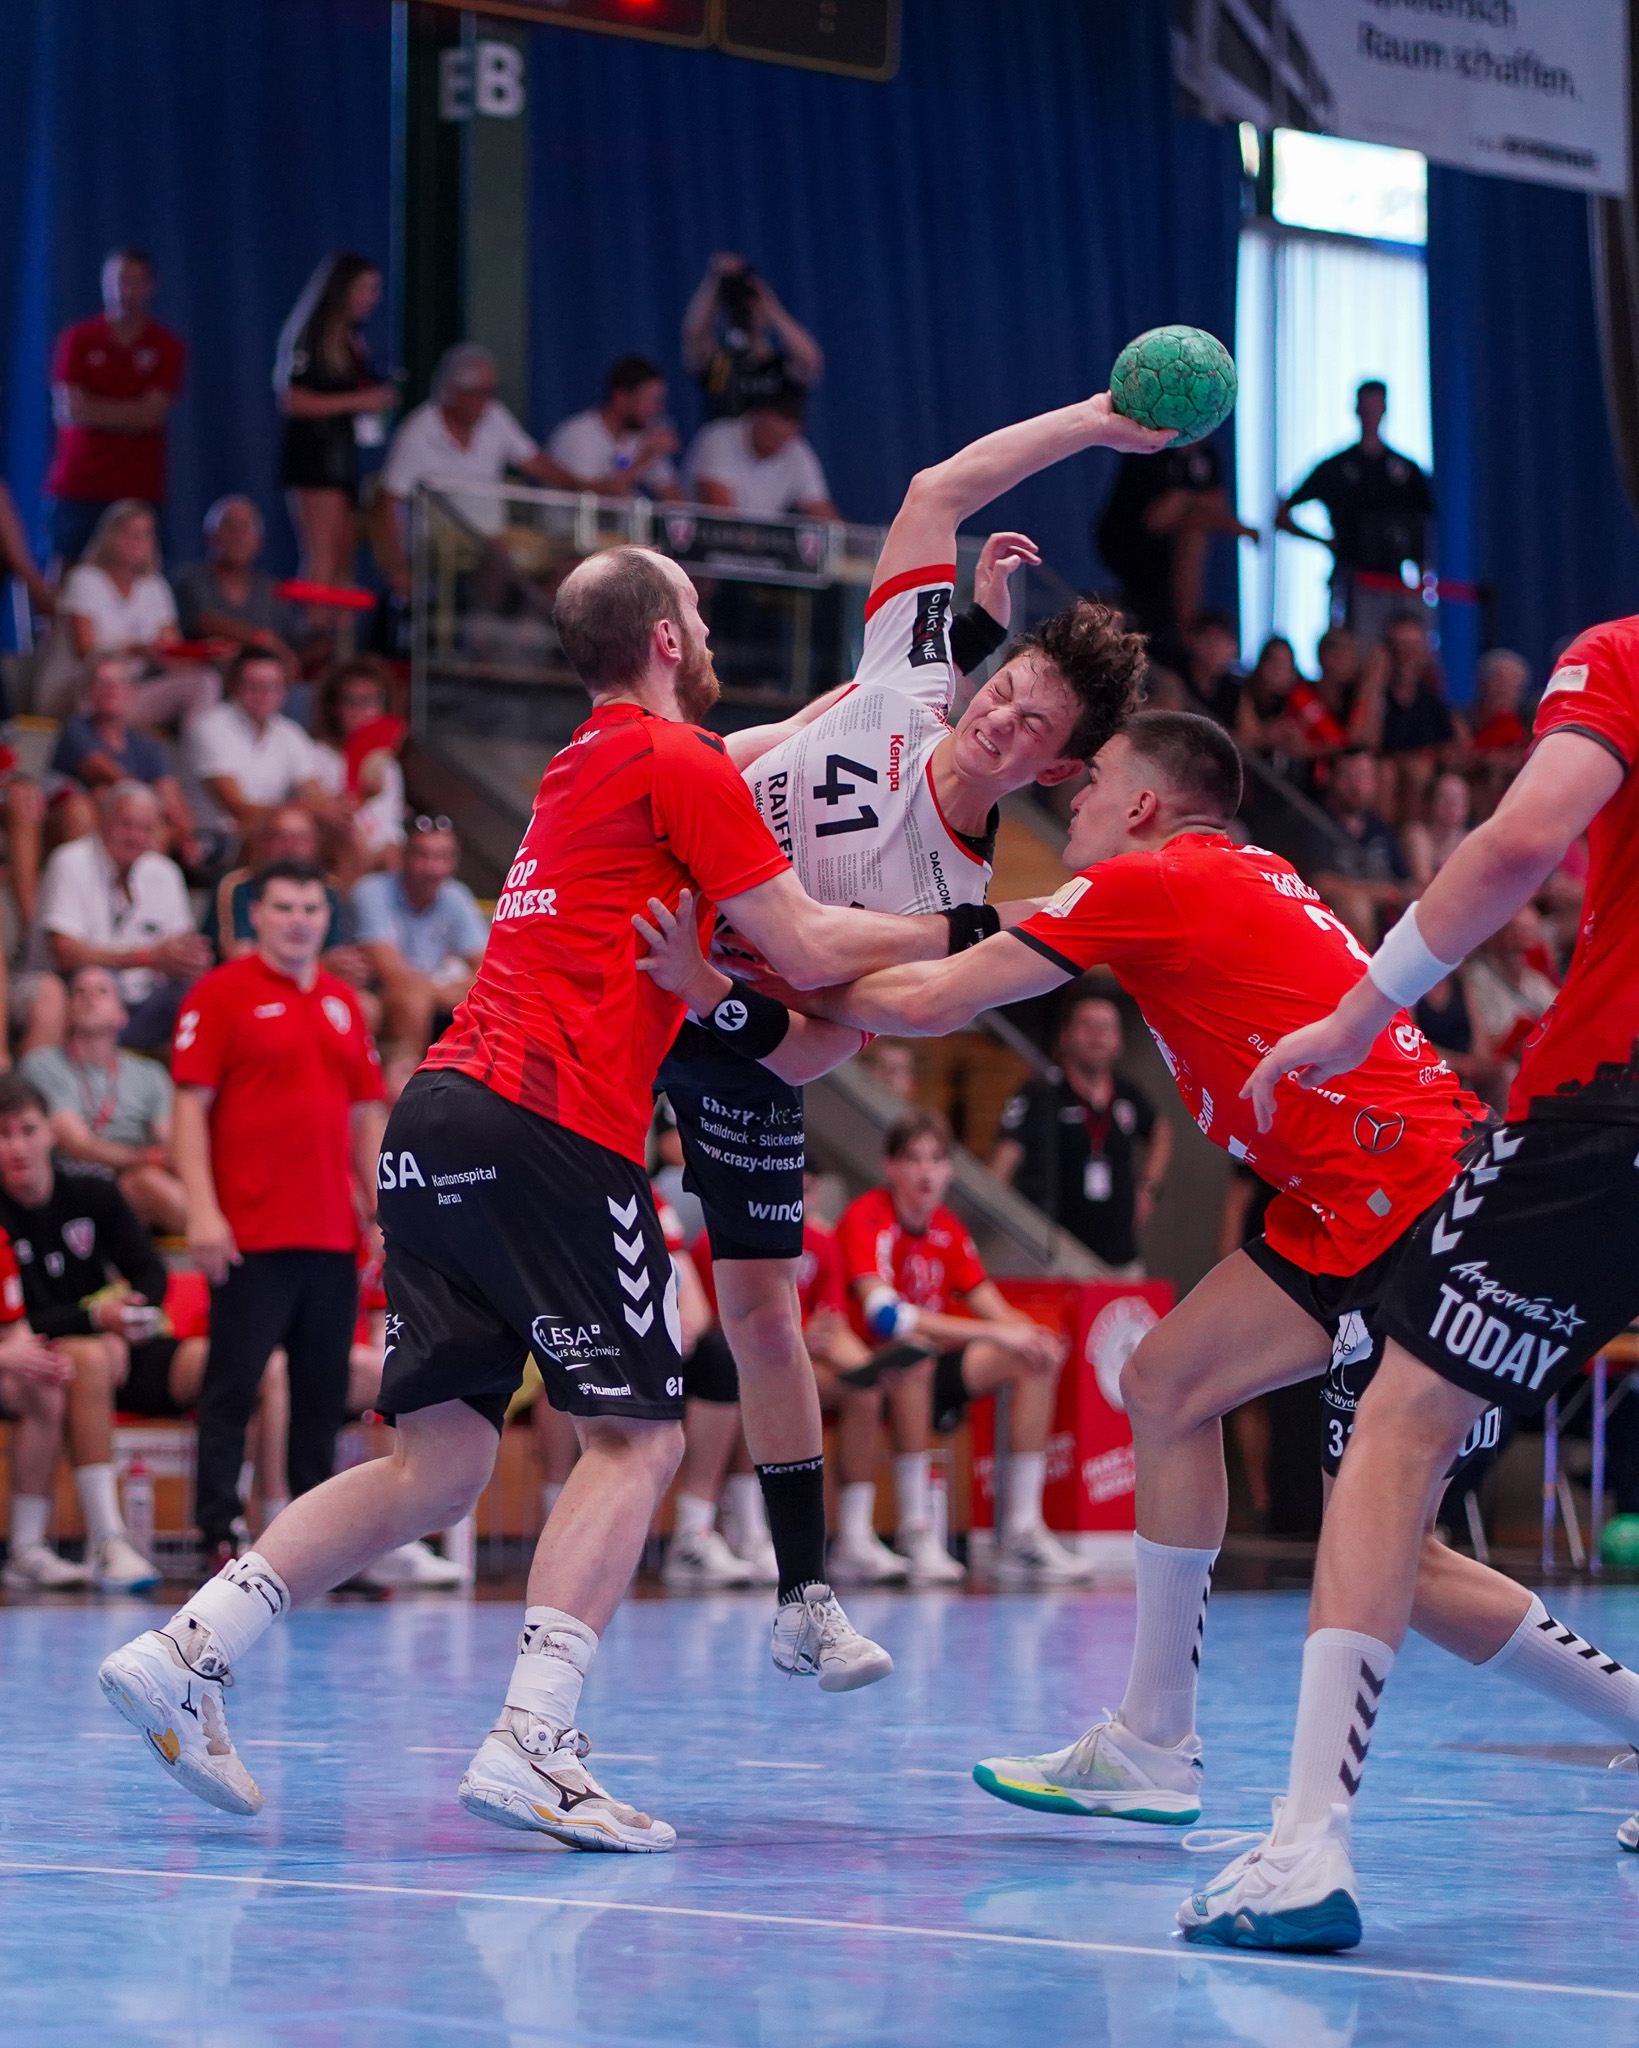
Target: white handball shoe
point(412, 1565)
point(177, 1708)
point(36, 1568)
point(117, 1566)
point(762, 1566)
point(529, 1775)
point(1297, 1895)
point(1035, 1557)
point(870, 1562)
point(927, 1561)
point(698, 1563)
point(1628, 1833)
point(814, 1638)
point(1109, 1773)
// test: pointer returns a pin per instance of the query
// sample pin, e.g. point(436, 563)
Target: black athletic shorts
point(741, 1128)
point(1350, 1307)
point(146, 1388)
point(949, 1391)
point(505, 1235)
point(1530, 1264)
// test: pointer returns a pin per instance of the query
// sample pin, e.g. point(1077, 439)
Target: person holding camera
point(740, 342)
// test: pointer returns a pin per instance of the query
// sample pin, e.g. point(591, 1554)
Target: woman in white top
point(115, 601)
point(356, 744)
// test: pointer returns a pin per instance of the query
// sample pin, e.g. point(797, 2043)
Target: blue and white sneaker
point(1109, 1773)
point(1292, 1895)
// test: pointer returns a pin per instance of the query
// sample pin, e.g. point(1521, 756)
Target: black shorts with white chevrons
point(742, 1134)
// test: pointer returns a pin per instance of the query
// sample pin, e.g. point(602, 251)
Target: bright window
point(1350, 188)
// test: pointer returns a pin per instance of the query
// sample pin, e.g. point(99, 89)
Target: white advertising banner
point(1532, 89)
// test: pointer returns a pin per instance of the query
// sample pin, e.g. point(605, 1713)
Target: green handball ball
point(1175, 377)
point(1619, 1543)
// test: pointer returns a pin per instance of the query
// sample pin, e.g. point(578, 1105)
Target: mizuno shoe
point(814, 1638)
point(529, 1775)
point(177, 1708)
point(1109, 1773)
point(1298, 1895)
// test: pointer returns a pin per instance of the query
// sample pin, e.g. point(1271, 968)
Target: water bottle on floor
point(139, 1507)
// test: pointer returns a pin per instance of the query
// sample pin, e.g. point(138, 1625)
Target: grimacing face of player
point(1015, 730)
point(918, 1180)
point(1102, 816)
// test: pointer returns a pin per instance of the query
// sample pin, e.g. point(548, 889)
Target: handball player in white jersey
point(879, 801)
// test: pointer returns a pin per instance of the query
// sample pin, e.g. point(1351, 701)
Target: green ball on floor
point(1180, 378)
point(1619, 1543)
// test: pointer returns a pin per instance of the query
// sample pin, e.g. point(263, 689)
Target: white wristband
point(1403, 968)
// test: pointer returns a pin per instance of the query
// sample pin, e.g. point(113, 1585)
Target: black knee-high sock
point(794, 1496)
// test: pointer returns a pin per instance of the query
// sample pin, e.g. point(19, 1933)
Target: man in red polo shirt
point(277, 1125)
point(114, 380)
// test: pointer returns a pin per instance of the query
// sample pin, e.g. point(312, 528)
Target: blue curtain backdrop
point(1530, 498)
point(239, 141)
point(972, 242)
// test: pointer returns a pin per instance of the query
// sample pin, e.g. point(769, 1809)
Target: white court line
point(1423, 1799)
point(751, 1763)
point(274, 1742)
point(1174, 1951)
point(910, 1771)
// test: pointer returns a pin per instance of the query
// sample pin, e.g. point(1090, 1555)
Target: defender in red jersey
point(1506, 1289)
point(517, 1218)
point(1191, 923)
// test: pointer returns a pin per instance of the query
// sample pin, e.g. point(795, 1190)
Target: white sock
point(29, 1514)
point(910, 1486)
point(246, 1484)
point(229, 1612)
point(691, 1516)
point(1173, 1584)
point(1554, 1660)
point(1343, 1679)
point(99, 1502)
point(743, 1503)
point(555, 1653)
point(549, 1498)
point(1026, 1474)
point(857, 1505)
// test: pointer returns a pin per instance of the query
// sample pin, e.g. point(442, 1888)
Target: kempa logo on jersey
point(896, 751)
point(1377, 1130)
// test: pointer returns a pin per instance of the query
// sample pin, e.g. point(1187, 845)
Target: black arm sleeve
point(60, 1319)
point(130, 1250)
point(974, 637)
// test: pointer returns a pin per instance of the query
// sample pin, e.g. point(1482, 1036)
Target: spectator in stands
point(912, 1270)
point(34, 1374)
point(1155, 530)
point(625, 444)
point(116, 601)
point(762, 462)
point(1508, 988)
point(17, 558)
point(1405, 718)
point(114, 900)
point(741, 343)
point(424, 935)
point(228, 596)
point(357, 742)
point(101, 746)
point(1265, 720)
point(278, 1125)
point(114, 380)
point(247, 757)
point(94, 1285)
point(1445, 1019)
point(891, 1064)
point(1501, 735)
point(1380, 504)
point(1359, 869)
point(1084, 1144)
point(1211, 679)
point(1342, 672)
point(462, 436)
point(289, 833)
point(108, 1108)
point(333, 399)
point(1429, 846)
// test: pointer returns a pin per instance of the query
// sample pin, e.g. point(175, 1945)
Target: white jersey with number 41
point(849, 798)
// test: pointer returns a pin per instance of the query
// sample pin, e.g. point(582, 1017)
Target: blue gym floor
point(837, 1880)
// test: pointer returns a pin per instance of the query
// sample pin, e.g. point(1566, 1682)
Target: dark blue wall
point(1530, 498)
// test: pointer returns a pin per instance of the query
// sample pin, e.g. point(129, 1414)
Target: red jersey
point(819, 1272)
point(94, 462)
point(1225, 949)
point(559, 1020)
point(932, 1268)
point(11, 1285)
point(287, 1065)
point(1582, 1060)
